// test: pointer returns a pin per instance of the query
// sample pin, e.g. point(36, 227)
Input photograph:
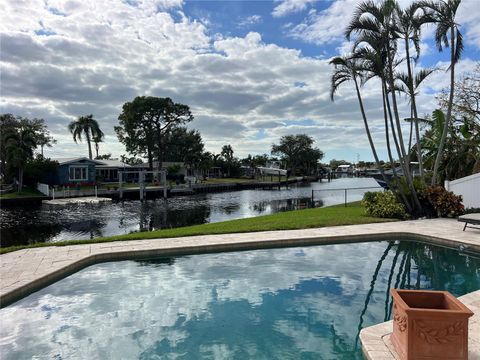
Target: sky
point(251, 71)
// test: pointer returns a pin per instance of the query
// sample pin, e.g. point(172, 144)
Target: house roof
point(112, 163)
point(63, 161)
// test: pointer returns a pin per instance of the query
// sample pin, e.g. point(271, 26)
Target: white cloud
point(89, 57)
point(250, 21)
point(286, 7)
point(326, 26)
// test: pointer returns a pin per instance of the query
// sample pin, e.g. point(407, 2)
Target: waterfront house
point(75, 171)
point(107, 170)
point(83, 171)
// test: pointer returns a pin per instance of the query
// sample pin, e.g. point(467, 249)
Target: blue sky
point(251, 71)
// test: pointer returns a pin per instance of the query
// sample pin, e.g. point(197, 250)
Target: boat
point(272, 168)
point(389, 174)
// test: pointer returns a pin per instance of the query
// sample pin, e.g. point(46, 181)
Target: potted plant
point(429, 325)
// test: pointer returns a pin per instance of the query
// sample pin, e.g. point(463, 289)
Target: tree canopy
point(144, 123)
point(86, 126)
point(298, 153)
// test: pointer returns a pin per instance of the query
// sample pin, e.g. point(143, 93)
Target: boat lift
point(141, 179)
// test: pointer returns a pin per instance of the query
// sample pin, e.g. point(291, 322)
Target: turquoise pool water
point(290, 303)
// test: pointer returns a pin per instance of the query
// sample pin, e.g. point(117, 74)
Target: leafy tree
point(42, 134)
point(183, 145)
point(467, 98)
point(462, 147)
point(144, 123)
point(298, 153)
point(19, 147)
point(86, 126)
point(104, 157)
point(334, 163)
point(130, 160)
point(255, 161)
point(10, 124)
point(39, 169)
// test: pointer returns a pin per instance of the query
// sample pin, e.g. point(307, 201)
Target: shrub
point(445, 203)
point(383, 205)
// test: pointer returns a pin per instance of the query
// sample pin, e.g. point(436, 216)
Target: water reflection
point(306, 302)
point(46, 223)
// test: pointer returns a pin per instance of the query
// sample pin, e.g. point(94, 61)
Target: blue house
point(75, 171)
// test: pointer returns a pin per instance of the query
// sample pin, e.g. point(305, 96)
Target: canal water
point(52, 223)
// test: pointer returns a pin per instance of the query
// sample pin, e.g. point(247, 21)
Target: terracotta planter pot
point(429, 325)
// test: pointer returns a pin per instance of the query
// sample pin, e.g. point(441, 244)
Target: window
point(78, 172)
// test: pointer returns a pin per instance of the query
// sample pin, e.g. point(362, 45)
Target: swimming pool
point(289, 303)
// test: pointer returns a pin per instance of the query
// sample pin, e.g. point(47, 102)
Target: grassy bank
point(22, 194)
point(290, 220)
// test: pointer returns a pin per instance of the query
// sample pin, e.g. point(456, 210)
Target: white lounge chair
point(473, 219)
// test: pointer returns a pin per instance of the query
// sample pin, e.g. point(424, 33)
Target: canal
point(49, 223)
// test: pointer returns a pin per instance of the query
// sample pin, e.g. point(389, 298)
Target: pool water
point(289, 303)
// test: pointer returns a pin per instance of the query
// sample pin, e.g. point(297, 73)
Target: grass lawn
point(300, 219)
point(24, 193)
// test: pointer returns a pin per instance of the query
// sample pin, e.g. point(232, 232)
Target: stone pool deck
point(25, 271)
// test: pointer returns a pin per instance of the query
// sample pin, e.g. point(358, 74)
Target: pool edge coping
point(21, 289)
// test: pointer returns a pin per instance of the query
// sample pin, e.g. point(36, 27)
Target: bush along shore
point(336, 215)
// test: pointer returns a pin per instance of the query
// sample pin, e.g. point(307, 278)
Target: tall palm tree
point(88, 126)
point(376, 26)
point(348, 69)
point(410, 85)
point(447, 34)
point(227, 154)
point(19, 146)
point(97, 140)
point(409, 25)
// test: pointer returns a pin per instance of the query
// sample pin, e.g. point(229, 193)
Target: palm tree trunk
point(87, 134)
point(369, 135)
point(449, 109)
point(389, 150)
point(406, 167)
point(414, 108)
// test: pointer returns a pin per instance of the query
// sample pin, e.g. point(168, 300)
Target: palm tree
point(409, 85)
point(88, 126)
point(376, 26)
point(447, 34)
point(348, 69)
point(97, 140)
point(227, 154)
point(409, 23)
point(19, 146)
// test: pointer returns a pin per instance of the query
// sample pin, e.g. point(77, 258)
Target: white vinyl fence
point(468, 187)
point(43, 188)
